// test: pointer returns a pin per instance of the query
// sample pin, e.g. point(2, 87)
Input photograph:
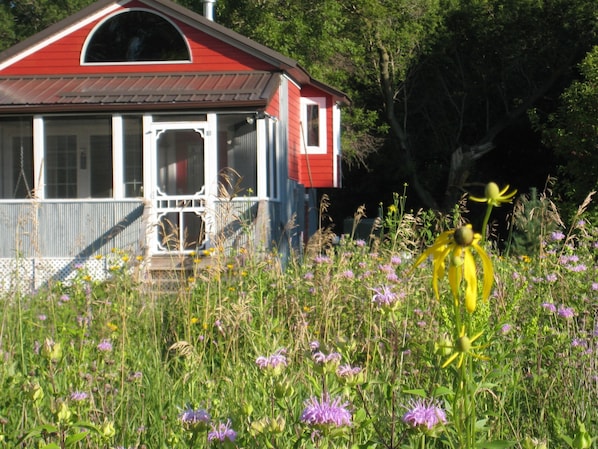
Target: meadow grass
point(233, 357)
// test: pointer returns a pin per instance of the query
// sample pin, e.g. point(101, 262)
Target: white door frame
point(201, 203)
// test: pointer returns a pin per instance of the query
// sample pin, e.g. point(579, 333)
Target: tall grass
point(112, 365)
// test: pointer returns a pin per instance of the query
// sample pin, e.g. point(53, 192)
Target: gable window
point(136, 36)
point(313, 125)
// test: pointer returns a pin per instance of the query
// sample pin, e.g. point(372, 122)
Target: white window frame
point(322, 112)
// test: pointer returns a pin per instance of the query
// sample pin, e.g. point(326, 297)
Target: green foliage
point(572, 132)
point(93, 364)
point(534, 218)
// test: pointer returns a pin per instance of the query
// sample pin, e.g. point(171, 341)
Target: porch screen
point(238, 159)
point(16, 157)
point(78, 159)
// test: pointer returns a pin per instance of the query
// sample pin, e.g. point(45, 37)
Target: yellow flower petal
point(488, 270)
point(479, 200)
point(471, 289)
point(450, 359)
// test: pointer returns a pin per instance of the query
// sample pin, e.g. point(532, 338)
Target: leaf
point(50, 446)
point(37, 431)
point(72, 439)
point(443, 391)
point(416, 392)
point(567, 439)
point(496, 444)
point(88, 426)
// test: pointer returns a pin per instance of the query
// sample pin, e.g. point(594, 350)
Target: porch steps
point(171, 273)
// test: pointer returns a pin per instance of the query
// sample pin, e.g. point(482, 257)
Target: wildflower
point(566, 312)
point(348, 370)
point(326, 412)
point(195, 419)
point(456, 244)
point(464, 346)
point(348, 274)
point(549, 306)
point(273, 363)
point(351, 375)
point(557, 235)
point(384, 297)
point(424, 414)
point(314, 345)
point(578, 268)
point(552, 277)
point(105, 345)
point(321, 358)
point(506, 328)
point(64, 298)
point(494, 196)
point(360, 243)
point(79, 396)
point(223, 432)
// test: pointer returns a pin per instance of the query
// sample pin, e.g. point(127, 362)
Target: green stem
point(485, 222)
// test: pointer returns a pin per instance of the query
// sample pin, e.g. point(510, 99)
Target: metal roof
point(137, 91)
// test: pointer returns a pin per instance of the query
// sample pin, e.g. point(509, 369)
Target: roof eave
point(129, 107)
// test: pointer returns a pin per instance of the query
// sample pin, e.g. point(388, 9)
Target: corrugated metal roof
point(183, 89)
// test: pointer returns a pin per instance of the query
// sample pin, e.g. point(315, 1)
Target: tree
point(23, 18)
point(572, 131)
point(492, 62)
point(438, 80)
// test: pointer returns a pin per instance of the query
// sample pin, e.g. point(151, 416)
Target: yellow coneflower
point(456, 245)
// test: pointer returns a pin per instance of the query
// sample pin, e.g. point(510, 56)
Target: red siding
point(273, 107)
point(317, 170)
point(63, 57)
point(294, 132)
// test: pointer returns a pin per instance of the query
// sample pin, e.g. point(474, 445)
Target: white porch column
point(118, 180)
point(149, 168)
point(39, 177)
point(263, 174)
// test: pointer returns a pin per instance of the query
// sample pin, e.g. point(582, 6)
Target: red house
point(141, 126)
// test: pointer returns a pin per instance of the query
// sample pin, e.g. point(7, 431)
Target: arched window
point(136, 36)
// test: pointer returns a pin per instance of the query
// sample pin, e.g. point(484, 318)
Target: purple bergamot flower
point(222, 432)
point(195, 419)
point(424, 414)
point(274, 362)
point(326, 412)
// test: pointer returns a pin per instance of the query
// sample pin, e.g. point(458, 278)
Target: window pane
point(78, 157)
point(100, 159)
point(133, 155)
point(313, 125)
point(16, 154)
point(61, 166)
point(240, 155)
point(136, 36)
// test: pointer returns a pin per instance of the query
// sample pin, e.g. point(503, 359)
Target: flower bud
point(492, 191)
point(463, 344)
point(463, 236)
point(108, 430)
point(443, 346)
point(582, 439)
point(52, 350)
point(63, 415)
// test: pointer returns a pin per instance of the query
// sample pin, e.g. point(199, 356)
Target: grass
point(113, 365)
